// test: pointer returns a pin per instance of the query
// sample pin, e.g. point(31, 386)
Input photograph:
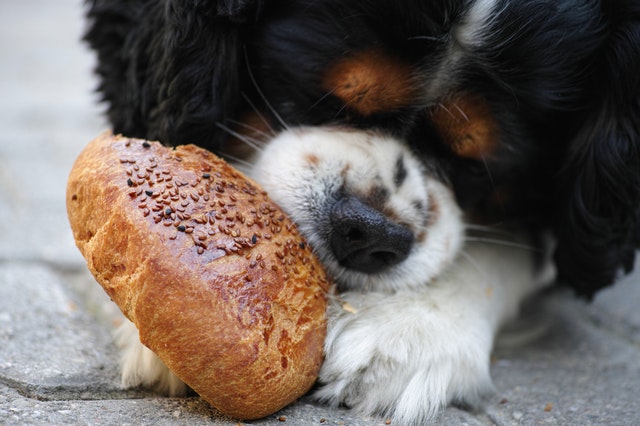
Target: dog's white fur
point(407, 341)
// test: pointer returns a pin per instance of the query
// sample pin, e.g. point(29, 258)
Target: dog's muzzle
point(365, 240)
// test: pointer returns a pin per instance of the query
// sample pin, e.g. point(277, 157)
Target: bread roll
point(215, 276)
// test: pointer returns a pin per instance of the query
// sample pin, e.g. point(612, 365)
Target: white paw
point(141, 367)
point(404, 355)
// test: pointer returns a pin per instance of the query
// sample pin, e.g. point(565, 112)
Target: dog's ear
point(599, 190)
point(197, 69)
point(171, 69)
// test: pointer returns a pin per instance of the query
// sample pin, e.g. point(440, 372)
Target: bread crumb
point(349, 308)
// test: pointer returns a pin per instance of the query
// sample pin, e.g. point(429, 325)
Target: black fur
point(561, 77)
point(598, 188)
point(170, 68)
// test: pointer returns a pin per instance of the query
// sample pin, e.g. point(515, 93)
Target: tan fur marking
point(312, 159)
point(371, 82)
point(467, 125)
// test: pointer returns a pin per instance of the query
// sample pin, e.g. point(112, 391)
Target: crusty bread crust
point(215, 276)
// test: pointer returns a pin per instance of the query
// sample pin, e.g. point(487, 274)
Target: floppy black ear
point(599, 193)
point(170, 69)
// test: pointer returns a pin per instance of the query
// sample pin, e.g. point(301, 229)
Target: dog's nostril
point(354, 235)
point(364, 239)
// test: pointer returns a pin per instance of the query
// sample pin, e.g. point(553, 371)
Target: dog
point(445, 159)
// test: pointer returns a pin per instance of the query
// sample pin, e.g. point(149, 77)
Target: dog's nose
point(365, 240)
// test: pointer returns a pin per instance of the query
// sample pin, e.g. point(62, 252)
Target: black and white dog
point(393, 133)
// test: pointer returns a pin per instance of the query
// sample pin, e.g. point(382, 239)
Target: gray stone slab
point(575, 374)
point(48, 112)
point(51, 347)
point(16, 409)
point(42, 233)
point(616, 308)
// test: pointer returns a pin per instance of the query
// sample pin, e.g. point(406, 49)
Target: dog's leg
point(141, 367)
point(410, 353)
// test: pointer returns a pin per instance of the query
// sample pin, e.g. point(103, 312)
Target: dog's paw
point(404, 356)
point(141, 367)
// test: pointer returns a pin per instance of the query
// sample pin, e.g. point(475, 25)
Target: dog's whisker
point(440, 39)
point(254, 130)
point(472, 262)
point(504, 243)
point(322, 98)
point(261, 116)
point(243, 165)
point(441, 105)
point(476, 227)
point(273, 111)
point(478, 230)
point(486, 167)
point(342, 108)
point(461, 112)
point(253, 143)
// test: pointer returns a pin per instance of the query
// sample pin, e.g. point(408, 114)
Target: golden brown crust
point(214, 275)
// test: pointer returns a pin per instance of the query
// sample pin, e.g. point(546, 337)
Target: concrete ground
point(58, 364)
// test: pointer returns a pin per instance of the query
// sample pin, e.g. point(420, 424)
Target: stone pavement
point(58, 364)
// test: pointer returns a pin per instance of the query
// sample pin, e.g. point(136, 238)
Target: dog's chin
point(306, 170)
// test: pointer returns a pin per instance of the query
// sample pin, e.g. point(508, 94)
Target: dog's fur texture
point(393, 132)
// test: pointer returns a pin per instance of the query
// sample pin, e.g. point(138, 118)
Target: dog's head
point(528, 111)
point(376, 216)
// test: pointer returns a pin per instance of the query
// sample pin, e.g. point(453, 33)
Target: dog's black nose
point(364, 239)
